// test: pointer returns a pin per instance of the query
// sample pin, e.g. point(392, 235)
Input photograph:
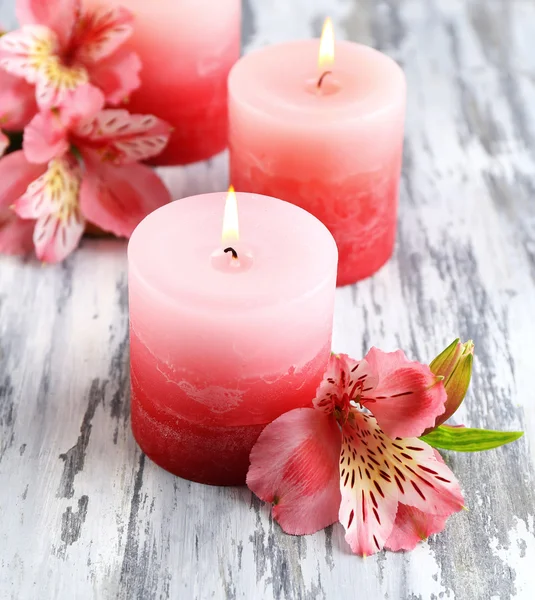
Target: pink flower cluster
point(80, 159)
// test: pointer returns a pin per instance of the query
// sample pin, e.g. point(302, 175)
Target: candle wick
point(320, 80)
point(234, 253)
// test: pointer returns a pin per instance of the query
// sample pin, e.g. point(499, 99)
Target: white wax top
point(291, 253)
point(280, 82)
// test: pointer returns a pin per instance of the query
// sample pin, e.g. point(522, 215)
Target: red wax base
point(360, 210)
point(187, 438)
point(196, 137)
point(212, 455)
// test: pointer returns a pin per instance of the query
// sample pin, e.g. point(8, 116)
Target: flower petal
point(122, 138)
point(56, 191)
point(57, 15)
point(369, 492)
point(379, 473)
point(408, 397)
point(116, 199)
point(25, 52)
point(85, 102)
point(101, 32)
point(333, 385)
point(343, 381)
point(294, 466)
point(412, 526)
point(427, 482)
point(45, 138)
point(55, 237)
point(17, 102)
point(57, 82)
point(15, 234)
point(16, 174)
point(54, 200)
point(117, 76)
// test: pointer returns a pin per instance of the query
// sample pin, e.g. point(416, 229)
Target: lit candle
point(326, 137)
point(187, 48)
point(227, 332)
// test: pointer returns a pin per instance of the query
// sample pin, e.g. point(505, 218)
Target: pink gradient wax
point(334, 150)
point(187, 48)
point(220, 347)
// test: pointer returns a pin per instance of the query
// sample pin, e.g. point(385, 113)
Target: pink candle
point(187, 48)
point(220, 346)
point(330, 144)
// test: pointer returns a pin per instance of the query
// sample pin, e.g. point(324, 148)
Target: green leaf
point(464, 439)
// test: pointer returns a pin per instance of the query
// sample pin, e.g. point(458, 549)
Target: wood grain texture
point(83, 514)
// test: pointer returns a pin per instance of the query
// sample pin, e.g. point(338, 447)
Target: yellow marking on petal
point(40, 52)
point(43, 59)
point(61, 76)
point(62, 185)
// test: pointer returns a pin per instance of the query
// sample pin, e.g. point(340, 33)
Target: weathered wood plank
point(83, 514)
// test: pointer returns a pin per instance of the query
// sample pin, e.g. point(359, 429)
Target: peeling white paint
point(519, 556)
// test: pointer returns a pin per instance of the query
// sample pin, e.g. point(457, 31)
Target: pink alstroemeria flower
point(338, 461)
point(84, 169)
point(61, 46)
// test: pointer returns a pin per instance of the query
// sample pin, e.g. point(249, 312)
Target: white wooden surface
point(83, 514)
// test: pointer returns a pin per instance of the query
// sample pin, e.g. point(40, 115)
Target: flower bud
point(454, 364)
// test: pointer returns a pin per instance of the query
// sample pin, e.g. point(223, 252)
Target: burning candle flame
point(326, 54)
point(231, 231)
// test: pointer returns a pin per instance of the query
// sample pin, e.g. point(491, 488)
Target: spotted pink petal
point(17, 102)
point(122, 138)
point(55, 237)
point(4, 143)
point(117, 76)
point(25, 52)
point(369, 493)
point(57, 83)
point(377, 473)
point(57, 15)
point(100, 32)
point(45, 138)
point(16, 174)
point(407, 398)
point(294, 466)
point(116, 199)
point(54, 200)
point(55, 191)
point(413, 526)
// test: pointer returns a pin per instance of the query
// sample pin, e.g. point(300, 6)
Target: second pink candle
point(333, 148)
